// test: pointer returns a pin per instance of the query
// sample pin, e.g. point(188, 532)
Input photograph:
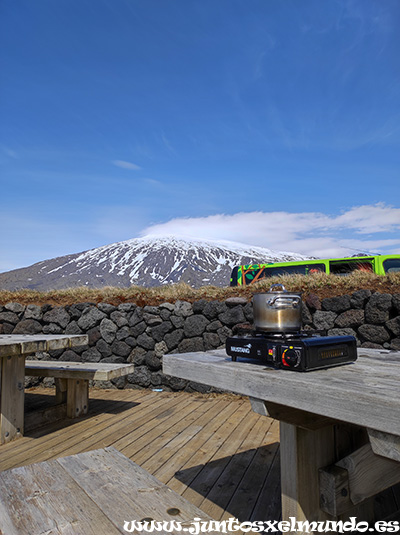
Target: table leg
point(303, 452)
point(12, 395)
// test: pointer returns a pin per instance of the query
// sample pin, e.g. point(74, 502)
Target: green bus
point(382, 264)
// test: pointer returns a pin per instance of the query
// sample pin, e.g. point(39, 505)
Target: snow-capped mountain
point(148, 261)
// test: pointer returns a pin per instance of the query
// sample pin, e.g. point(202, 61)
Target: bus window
point(391, 265)
point(290, 270)
point(234, 276)
point(315, 268)
point(344, 268)
point(254, 274)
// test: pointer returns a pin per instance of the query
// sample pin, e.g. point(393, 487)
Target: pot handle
point(278, 285)
point(282, 301)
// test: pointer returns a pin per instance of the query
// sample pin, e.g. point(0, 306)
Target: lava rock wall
point(142, 335)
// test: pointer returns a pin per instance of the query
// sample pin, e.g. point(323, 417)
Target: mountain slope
point(148, 261)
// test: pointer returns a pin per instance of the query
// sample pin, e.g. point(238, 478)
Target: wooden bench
point(72, 380)
point(99, 492)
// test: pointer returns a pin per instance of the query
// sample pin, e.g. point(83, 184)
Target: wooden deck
point(215, 451)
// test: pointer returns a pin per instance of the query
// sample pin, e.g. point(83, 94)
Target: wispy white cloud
point(8, 152)
point(166, 142)
point(126, 165)
point(312, 233)
point(370, 219)
point(152, 182)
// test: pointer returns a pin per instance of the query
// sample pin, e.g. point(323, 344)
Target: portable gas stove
point(299, 351)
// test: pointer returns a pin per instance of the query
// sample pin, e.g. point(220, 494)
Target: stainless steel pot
point(277, 311)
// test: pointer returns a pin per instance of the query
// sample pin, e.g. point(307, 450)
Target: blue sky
point(268, 122)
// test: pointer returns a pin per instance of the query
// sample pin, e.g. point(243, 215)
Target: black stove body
point(298, 352)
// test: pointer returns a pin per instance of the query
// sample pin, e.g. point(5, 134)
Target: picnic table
point(339, 427)
point(14, 348)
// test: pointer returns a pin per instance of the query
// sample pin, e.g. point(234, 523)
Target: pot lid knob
point(282, 288)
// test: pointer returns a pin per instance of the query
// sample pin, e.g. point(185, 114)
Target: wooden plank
point(149, 433)
point(97, 371)
point(385, 444)
point(369, 473)
point(218, 413)
point(43, 499)
point(230, 479)
point(72, 495)
point(12, 398)
point(268, 496)
point(175, 437)
point(382, 354)
point(334, 490)
point(204, 448)
point(185, 438)
point(144, 427)
point(136, 493)
point(258, 406)
point(77, 397)
point(302, 454)
point(17, 344)
point(354, 479)
point(349, 438)
point(61, 390)
point(290, 415)
point(66, 342)
point(244, 495)
point(363, 393)
point(221, 453)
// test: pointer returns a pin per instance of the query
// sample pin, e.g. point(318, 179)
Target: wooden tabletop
point(92, 493)
point(18, 344)
point(364, 393)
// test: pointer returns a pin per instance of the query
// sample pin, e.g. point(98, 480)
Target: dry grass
point(319, 283)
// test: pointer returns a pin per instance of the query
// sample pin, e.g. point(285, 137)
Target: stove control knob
point(290, 358)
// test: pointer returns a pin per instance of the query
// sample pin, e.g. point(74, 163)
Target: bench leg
point(61, 390)
point(77, 397)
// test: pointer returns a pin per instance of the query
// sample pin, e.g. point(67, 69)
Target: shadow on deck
point(214, 451)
